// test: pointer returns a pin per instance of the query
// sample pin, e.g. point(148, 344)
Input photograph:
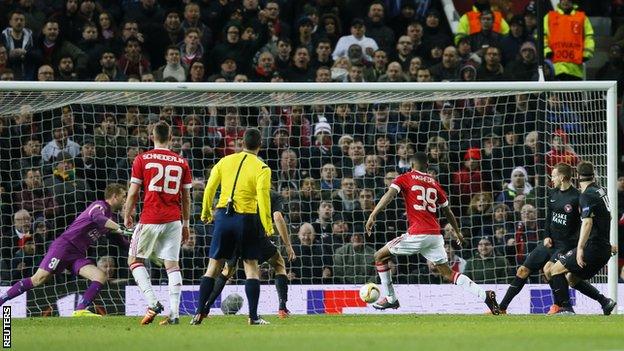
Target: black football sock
point(252, 290)
point(590, 291)
point(561, 290)
point(205, 288)
point(552, 288)
point(218, 288)
point(512, 291)
point(281, 285)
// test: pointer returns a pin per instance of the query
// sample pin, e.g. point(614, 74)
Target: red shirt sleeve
point(187, 179)
point(442, 198)
point(137, 170)
point(398, 183)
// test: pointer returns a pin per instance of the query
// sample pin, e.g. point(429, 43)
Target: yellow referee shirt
point(252, 193)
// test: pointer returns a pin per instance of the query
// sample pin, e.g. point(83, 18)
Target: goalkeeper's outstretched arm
point(381, 205)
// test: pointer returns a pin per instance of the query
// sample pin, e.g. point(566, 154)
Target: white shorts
point(162, 239)
point(430, 246)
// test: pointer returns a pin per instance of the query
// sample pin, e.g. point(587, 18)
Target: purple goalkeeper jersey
point(88, 227)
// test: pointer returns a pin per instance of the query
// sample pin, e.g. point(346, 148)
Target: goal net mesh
point(333, 156)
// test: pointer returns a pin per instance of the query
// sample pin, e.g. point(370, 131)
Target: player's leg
point(488, 297)
point(251, 252)
point(41, 276)
point(389, 299)
point(252, 289)
point(56, 260)
point(522, 275)
point(141, 247)
point(590, 291)
point(226, 273)
point(281, 282)
point(561, 291)
point(98, 279)
point(533, 263)
point(167, 248)
point(222, 245)
point(554, 308)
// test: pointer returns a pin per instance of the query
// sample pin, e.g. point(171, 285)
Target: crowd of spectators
point(331, 163)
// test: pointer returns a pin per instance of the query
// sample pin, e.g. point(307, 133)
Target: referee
point(245, 183)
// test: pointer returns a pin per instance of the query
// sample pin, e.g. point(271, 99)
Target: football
point(369, 293)
point(232, 304)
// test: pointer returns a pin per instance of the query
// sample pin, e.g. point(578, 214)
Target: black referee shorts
point(595, 260)
point(234, 233)
point(538, 257)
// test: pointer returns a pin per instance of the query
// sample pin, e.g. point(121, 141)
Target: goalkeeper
point(69, 250)
point(269, 253)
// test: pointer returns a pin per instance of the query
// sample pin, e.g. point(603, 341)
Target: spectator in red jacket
point(560, 151)
point(467, 180)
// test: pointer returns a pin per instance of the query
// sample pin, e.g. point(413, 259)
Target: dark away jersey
point(276, 205)
point(563, 218)
point(595, 204)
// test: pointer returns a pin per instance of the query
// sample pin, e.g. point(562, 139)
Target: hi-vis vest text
point(474, 21)
point(566, 37)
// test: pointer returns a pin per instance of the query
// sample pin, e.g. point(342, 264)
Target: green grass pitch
point(326, 332)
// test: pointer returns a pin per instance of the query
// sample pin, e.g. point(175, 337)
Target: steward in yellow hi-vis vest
point(568, 40)
point(470, 22)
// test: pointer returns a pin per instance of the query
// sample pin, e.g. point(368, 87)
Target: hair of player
point(252, 139)
point(419, 161)
point(162, 132)
point(113, 189)
point(585, 171)
point(565, 170)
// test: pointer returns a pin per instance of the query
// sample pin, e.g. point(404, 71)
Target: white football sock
point(385, 275)
point(468, 285)
point(143, 281)
point(175, 287)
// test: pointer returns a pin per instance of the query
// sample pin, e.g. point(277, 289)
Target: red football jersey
point(423, 195)
point(162, 173)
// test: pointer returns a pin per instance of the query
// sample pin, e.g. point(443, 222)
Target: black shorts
point(538, 258)
point(595, 260)
point(266, 250)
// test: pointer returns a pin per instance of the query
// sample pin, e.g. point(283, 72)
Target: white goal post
point(42, 96)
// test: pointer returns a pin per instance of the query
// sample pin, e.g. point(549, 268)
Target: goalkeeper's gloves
point(124, 231)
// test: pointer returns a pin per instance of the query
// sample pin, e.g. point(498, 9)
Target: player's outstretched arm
point(131, 201)
point(186, 214)
point(282, 229)
point(450, 217)
point(381, 205)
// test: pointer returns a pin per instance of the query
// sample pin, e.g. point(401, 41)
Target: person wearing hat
point(524, 67)
point(485, 267)
point(568, 40)
point(322, 149)
point(470, 22)
point(358, 31)
point(229, 69)
point(433, 31)
point(510, 44)
point(467, 181)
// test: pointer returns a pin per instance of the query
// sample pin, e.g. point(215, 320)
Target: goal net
point(333, 148)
